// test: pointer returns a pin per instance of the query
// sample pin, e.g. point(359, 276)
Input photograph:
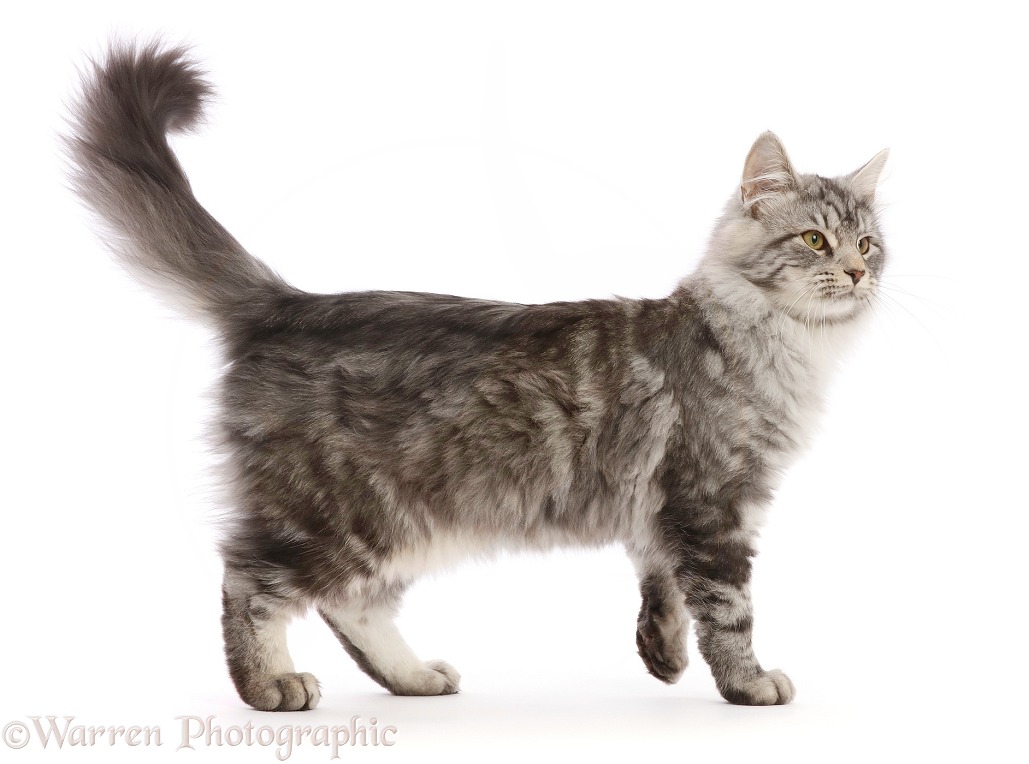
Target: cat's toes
point(434, 678)
point(664, 658)
point(770, 688)
point(285, 692)
point(661, 641)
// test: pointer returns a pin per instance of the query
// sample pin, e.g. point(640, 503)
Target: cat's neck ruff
point(741, 311)
point(790, 362)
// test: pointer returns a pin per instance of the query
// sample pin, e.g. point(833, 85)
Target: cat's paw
point(285, 692)
point(769, 688)
point(661, 643)
point(664, 660)
point(433, 678)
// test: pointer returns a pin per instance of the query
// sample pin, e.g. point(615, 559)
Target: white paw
point(285, 692)
point(771, 688)
point(433, 678)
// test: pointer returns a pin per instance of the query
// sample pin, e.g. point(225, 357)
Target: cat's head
point(811, 244)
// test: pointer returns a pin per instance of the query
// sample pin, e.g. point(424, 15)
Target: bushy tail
point(124, 169)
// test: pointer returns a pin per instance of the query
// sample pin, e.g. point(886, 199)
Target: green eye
point(863, 245)
point(814, 239)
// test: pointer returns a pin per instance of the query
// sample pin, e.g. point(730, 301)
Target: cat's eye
point(863, 244)
point(814, 239)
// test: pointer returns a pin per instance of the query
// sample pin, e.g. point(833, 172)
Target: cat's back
point(305, 360)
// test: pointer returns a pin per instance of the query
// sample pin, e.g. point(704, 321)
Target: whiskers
point(900, 290)
point(815, 307)
point(807, 291)
point(886, 303)
point(808, 309)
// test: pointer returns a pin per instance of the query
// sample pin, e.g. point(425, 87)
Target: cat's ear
point(864, 180)
point(766, 172)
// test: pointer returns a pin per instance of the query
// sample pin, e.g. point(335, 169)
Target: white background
point(534, 152)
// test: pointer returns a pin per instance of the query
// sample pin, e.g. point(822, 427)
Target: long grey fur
point(372, 436)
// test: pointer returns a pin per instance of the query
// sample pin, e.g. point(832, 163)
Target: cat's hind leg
point(254, 626)
point(366, 628)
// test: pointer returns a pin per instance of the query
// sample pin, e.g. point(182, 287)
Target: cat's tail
point(124, 169)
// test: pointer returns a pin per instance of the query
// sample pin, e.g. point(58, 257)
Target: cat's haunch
point(371, 436)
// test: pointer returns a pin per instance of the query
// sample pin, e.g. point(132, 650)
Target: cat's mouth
point(841, 302)
point(843, 292)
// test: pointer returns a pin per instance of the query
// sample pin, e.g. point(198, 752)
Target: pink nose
point(855, 275)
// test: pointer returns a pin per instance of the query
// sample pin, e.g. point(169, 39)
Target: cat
point(371, 436)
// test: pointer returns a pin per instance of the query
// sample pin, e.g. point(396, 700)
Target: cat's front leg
point(715, 577)
point(662, 626)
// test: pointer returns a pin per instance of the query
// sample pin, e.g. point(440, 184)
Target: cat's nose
point(855, 274)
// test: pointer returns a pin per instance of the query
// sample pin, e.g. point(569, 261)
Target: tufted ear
point(864, 180)
point(767, 171)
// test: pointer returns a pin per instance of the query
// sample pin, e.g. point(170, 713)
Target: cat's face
point(812, 244)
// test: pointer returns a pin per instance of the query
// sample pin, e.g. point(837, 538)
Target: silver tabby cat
point(372, 436)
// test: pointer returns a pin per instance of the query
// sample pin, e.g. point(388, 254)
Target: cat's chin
point(835, 310)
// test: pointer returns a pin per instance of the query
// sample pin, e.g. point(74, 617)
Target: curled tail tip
point(155, 83)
